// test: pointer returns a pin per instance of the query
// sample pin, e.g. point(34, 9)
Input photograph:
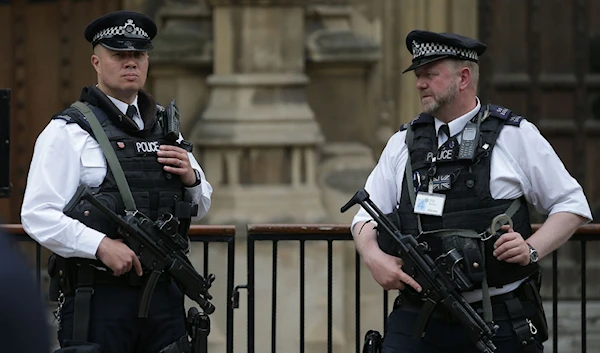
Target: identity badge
point(430, 204)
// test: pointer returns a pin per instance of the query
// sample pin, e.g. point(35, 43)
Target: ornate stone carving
point(330, 37)
point(258, 135)
point(326, 45)
point(185, 34)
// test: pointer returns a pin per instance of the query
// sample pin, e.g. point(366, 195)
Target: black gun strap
point(83, 302)
point(521, 325)
point(109, 153)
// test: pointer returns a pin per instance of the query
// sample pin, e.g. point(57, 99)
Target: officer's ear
point(95, 59)
point(464, 72)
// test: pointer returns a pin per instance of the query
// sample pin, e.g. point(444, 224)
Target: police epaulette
point(499, 112)
point(422, 118)
point(72, 115)
point(505, 114)
point(514, 120)
point(68, 115)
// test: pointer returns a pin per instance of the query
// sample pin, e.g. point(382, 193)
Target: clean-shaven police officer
point(162, 176)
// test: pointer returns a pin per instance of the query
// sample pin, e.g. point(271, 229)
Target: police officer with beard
point(459, 165)
point(160, 171)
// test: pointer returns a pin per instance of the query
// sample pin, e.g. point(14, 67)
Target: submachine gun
point(441, 280)
point(160, 249)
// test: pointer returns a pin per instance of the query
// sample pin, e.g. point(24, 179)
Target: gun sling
point(85, 274)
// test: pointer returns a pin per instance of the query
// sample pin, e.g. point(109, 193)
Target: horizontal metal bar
point(195, 230)
point(298, 228)
point(299, 237)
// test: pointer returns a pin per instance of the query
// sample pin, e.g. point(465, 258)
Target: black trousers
point(114, 322)
point(441, 336)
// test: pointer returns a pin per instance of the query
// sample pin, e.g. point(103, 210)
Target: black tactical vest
point(154, 191)
point(469, 204)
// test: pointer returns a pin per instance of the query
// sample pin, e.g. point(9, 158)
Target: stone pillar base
point(266, 204)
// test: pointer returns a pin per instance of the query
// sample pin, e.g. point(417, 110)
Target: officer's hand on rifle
point(387, 270)
point(511, 247)
point(117, 256)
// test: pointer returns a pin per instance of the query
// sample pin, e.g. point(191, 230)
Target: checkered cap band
point(128, 28)
point(428, 49)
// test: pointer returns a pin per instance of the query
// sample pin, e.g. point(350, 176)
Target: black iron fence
point(206, 235)
point(280, 235)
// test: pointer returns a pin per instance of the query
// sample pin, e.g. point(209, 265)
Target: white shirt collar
point(458, 124)
point(122, 106)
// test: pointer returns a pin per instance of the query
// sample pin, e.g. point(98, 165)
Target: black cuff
point(198, 179)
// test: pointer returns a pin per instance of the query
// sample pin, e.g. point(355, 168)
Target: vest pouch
point(92, 217)
point(466, 242)
point(386, 243)
point(167, 201)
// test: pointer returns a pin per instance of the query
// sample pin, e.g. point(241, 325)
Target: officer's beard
point(442, 101)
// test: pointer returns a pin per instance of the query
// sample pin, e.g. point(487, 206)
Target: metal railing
point(278, 233)
point(198, 234)
point(301, 234)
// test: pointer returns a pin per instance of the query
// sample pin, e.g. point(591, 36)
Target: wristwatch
point(533, 254)
point(198, 179)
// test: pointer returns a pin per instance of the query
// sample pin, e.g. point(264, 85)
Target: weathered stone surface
point(185, 36)
point(341, 46)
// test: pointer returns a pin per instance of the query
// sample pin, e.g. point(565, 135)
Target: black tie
point(131, 111)
point(452, 142)
point(444, 128)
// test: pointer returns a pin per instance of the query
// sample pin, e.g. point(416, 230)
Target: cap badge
point(129, 26)
point(417, 49)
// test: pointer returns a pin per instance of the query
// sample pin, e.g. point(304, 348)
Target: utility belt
point(523, 307)
point(67, 275)
point(77, 277)
point(499, 309)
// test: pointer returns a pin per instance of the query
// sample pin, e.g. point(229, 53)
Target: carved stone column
point(339, 57)
point(258, 136)
point(182, 57)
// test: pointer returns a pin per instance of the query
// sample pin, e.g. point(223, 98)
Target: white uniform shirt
point(523, 163)
point(64, 157)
